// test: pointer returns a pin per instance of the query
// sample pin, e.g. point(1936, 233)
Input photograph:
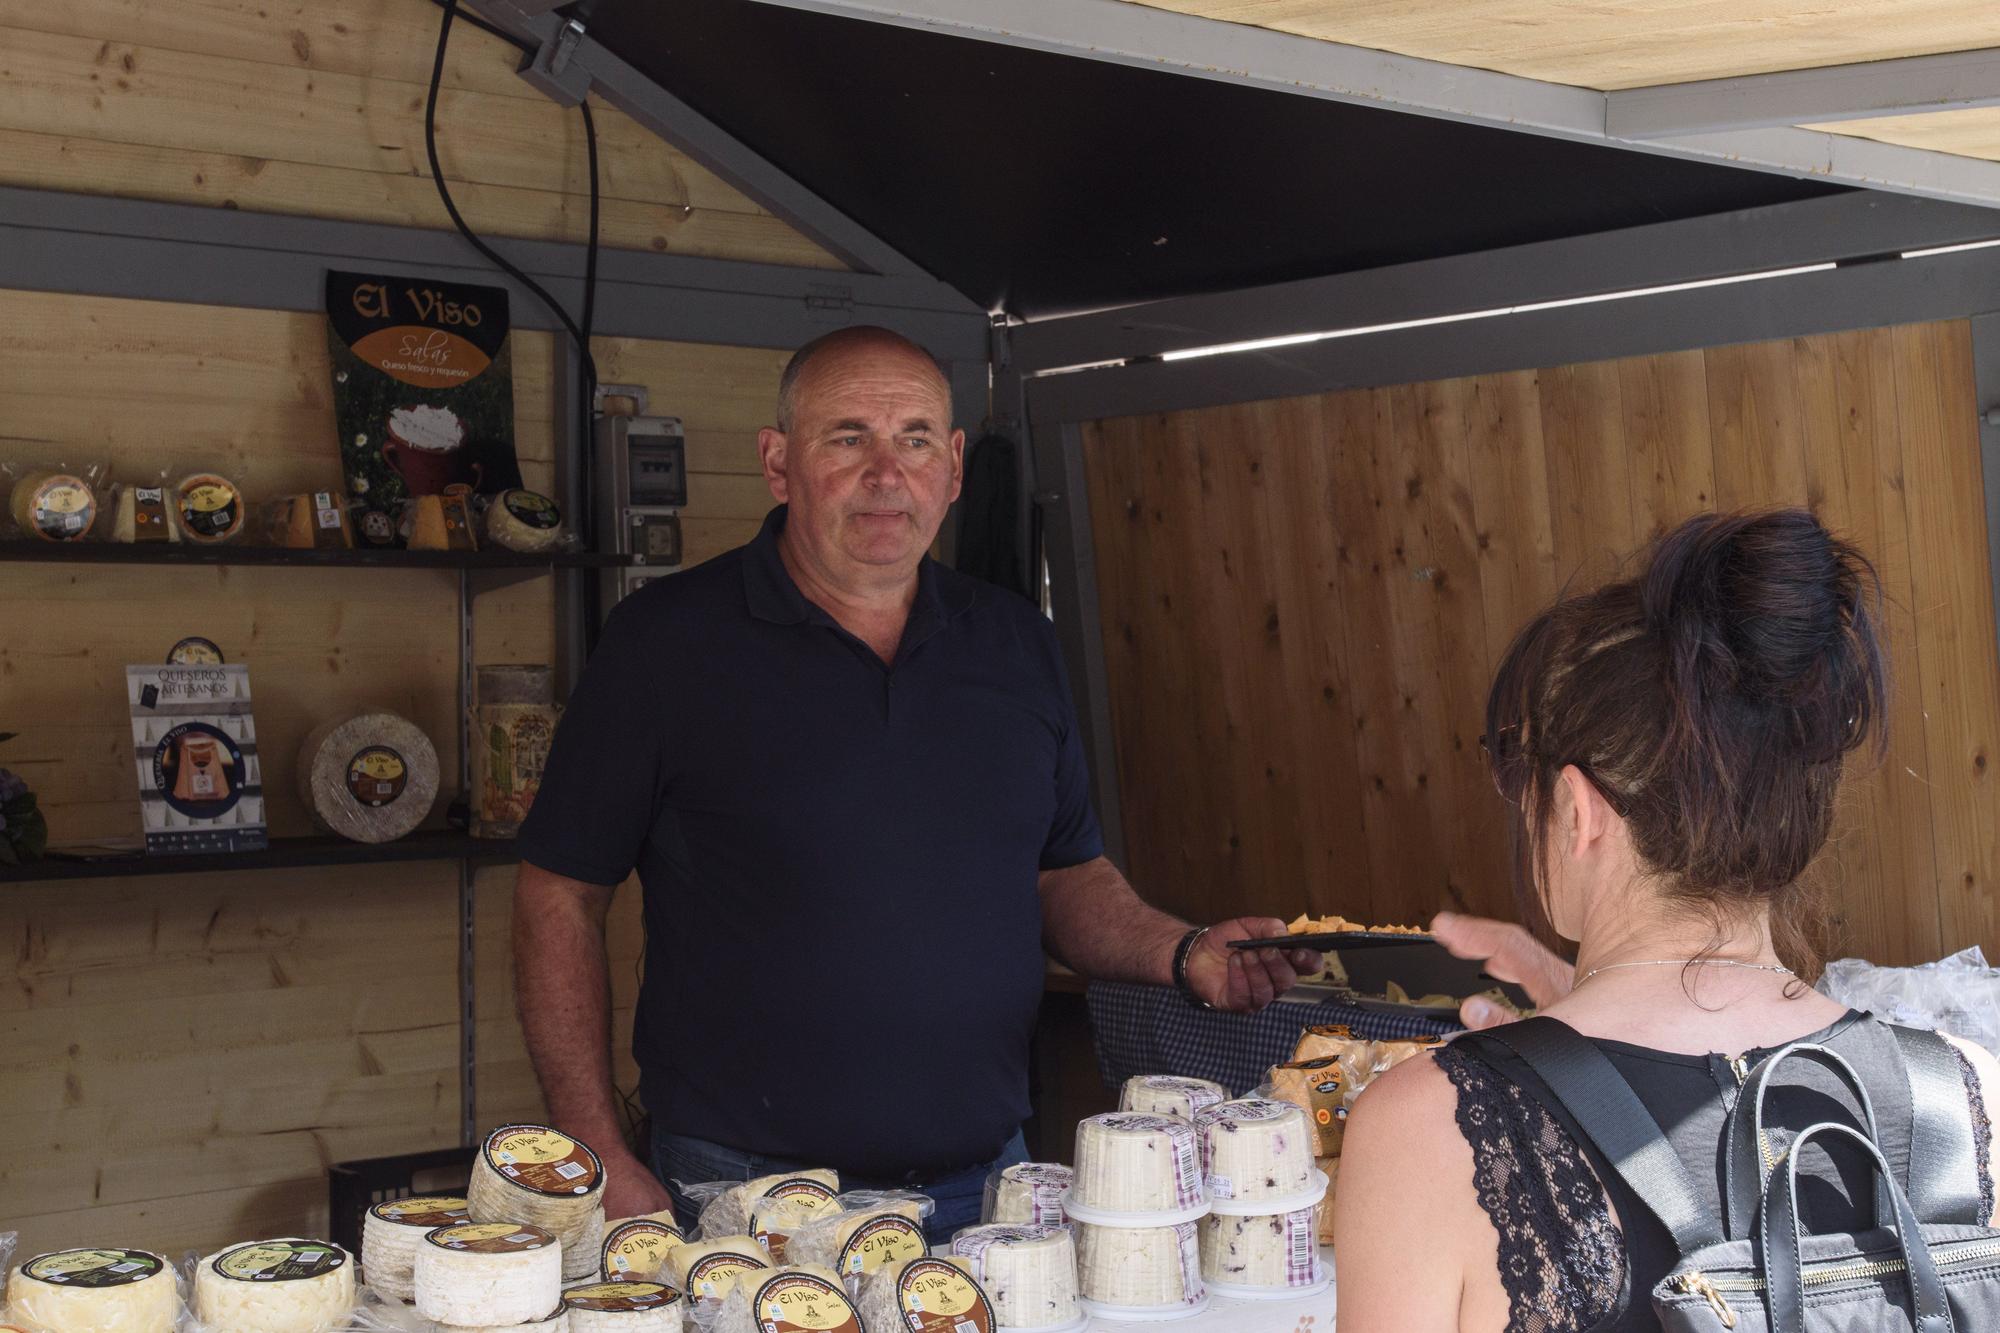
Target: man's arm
point(1093, 922)
point(562, 985)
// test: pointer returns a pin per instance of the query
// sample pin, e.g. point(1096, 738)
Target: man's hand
point(630, 1187)
point(1510, 953)
point(1245, 980)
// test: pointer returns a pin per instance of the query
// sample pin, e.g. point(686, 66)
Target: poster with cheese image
point(194, 744)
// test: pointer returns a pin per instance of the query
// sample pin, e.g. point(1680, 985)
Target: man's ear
point(957, 463)
point(771, 446)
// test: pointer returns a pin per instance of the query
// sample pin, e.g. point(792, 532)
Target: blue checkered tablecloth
point(1158, 1030)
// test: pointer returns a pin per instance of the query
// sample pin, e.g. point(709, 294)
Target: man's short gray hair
point(795, 369)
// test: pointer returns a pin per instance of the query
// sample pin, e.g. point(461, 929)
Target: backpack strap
point(1944, 1171)
point(1611, 1115)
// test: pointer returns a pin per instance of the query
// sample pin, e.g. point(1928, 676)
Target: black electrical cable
point(493, 28)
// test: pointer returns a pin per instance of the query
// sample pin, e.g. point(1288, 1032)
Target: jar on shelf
point(514, 717)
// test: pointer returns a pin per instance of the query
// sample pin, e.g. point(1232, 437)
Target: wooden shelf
point(186, 553)
point(283, 854)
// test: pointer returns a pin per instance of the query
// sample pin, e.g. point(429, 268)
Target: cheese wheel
point(787, 1206)
point(728, 1213)
point(637, 1248)
point(1169, 1094)
point(623, 1307)
point(860, 1241)
point(926, 1296)
point(371, 777)
point(95, 1291)
point(1276, 1252)
point(707, 1270)
point(481, 1274)
point(1139, 1268)
point(54, 506)
point(1030, 1193)
point(288, 1285)
point(389, 1235)
point(1028, 1272)
point(1255, 1148)
point(556, 1321)
point(534, 1174)
point(209, 508)
point(799, 1298)
point(1132, 1163)
point(524, 521)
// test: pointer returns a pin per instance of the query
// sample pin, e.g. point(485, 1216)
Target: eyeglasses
point(1507, 761)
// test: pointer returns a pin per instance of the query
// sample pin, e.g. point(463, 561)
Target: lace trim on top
point(1562, 1258)
point(1982, 1133)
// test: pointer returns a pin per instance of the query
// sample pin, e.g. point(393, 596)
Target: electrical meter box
point(641, 476)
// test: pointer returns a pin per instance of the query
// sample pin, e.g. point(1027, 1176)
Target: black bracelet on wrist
point(1182, 952)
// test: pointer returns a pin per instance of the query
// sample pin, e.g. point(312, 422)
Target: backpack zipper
point(1741, 1068)
point(1694, 1282)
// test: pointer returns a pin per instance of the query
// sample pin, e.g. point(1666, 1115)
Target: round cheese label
point(426, 1210)
point(714, 1274)
point(620, 1297)
point(376, 776)
point(194, 651)
point(802, 1303)
point(210, 507)
point(492, 1238)
point(93, 1268)
point(280, 1260)
point(879, 1241)
point(537, 1158)
point(801, 1188)
point(61, 508)
point(638, 1248)
point(537, 511)
point(937, 1297)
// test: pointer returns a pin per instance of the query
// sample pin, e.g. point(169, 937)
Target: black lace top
point(1564, 1263)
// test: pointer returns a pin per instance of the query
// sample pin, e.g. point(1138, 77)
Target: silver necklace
point(1663, 962)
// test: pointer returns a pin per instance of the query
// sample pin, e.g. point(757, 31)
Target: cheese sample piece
point(623, 1307)
point(54, 506)
point(1028, 1193)
point(1132, 1163)
point(534, 1174)
point(1279, 1251)
point(389, 1235)
point(1028, 1272)
point(859, 1241)
point(926, 1296)
point(1139, 1267)
point(1169, 1094)
point(371, 777)
point(788, 1206)
point(707, 1270)
point(525, 521)
point(1319, 1089)
point(208, 508)
point(95, 1291)
point(637, 1248)
point(276, 1286)
point(478, 1274)
point(1256, 1148)
point(728, 1212)
point(800, 1298)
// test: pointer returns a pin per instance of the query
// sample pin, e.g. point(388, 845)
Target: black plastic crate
point(352, 1188)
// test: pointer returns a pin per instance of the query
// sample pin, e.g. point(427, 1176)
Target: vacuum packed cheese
point(555, 1321)
point(784, 1208)
point(95, 1291)
point(525, 521)
point(1331, 1166)
point(1256, 1148)
point(371, 777)
point(389, 1235)
point(1028, 1192)
point(727, 1212)
point(287, 1285)
point(1132, 1163)
point(637, 1248)
point(533, 1174)
point(1276, 1251)
point(483, 1274)
point(54, 506)
point(794, 1299)
point(707, 1270)
point(140, 515)
point(1318, 1088)
point(209, 508)
point(1028, 1272)
point(926, 1296)
point(859, 1240)
point(1169, 1094)
point(623, 1307)
point(1139, 1268)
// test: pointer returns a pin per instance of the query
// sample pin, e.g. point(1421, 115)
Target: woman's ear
point(1584, 814)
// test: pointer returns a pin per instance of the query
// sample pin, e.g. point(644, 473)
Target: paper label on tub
point(1192, 1289)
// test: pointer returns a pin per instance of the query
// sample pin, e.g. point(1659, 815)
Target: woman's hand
point(1509, 953)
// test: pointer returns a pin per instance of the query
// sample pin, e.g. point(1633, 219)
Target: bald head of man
point(865, 457)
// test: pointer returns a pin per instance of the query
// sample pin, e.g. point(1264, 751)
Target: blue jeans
point(680, 1160)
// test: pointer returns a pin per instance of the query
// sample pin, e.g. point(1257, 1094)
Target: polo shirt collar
point(941, 593)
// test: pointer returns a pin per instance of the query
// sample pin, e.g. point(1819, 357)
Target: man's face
point(871, 463)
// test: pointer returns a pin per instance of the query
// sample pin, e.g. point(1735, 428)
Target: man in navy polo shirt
point(850, 781)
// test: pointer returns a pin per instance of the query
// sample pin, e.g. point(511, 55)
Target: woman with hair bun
point(1672, 745)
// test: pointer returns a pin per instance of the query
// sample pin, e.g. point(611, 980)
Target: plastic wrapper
point(1319, 1089)
point(522, 520)
point(1959, 995)
point(1026, 1193)
point(54, 502)
point(283, 1285)
point(1361, 1061)
point(782, 1214)
point(132, 1291)
point(1028, 1272)
point(929, 1295)
point(310, 521)
point(139, 509)
point(725, 1204)
point(208, 506)
point(872, 1228)
point(706, 1271)
point(782, 1297)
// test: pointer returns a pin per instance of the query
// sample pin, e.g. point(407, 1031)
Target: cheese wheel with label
point(728, 1213)
point(371, 777)
point(95, 1291)
point(54, 506)
point(857, 1242)
point(708, 1270)
point(538, 1175)
point(288, 1285)
point(209, 508)
point(625, 1306)
point(799, 1298)
point(926, 1296)
point(787, 1206)
point(525, 521)
point(637, 1248)
point(483, 1274)
point(390, 1232)
point(1029, 1273)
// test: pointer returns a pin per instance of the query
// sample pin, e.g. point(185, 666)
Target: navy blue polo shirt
point(839, 858)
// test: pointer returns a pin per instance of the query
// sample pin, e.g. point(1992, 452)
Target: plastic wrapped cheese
point(95, 1291)
point(140, 515)
point(525, 521)
point(1330, 1166)
point(481, 1274)
point(926, 1296)
point(633, 1306)
point(707, 1270)
point(389, 1234)
point(370, 776)
point(1170, 1094)
point(799, 1298)
point(208, 508)
point(637, 1248)
point(726, 1210)
point(555, 1321)
point(871, 1229)
point(1028, 1272)
point(1255, 1149)
point(1277, 1252)
point(1139, 1268)
point(1318, 1088)
point(54, 505)
point(1132, 1163)
point(535, 1174)
point(287, 1285)
point(1027, 1192)
point(789, 1205)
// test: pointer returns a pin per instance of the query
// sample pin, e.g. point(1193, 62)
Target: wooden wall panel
point(1392, 541)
